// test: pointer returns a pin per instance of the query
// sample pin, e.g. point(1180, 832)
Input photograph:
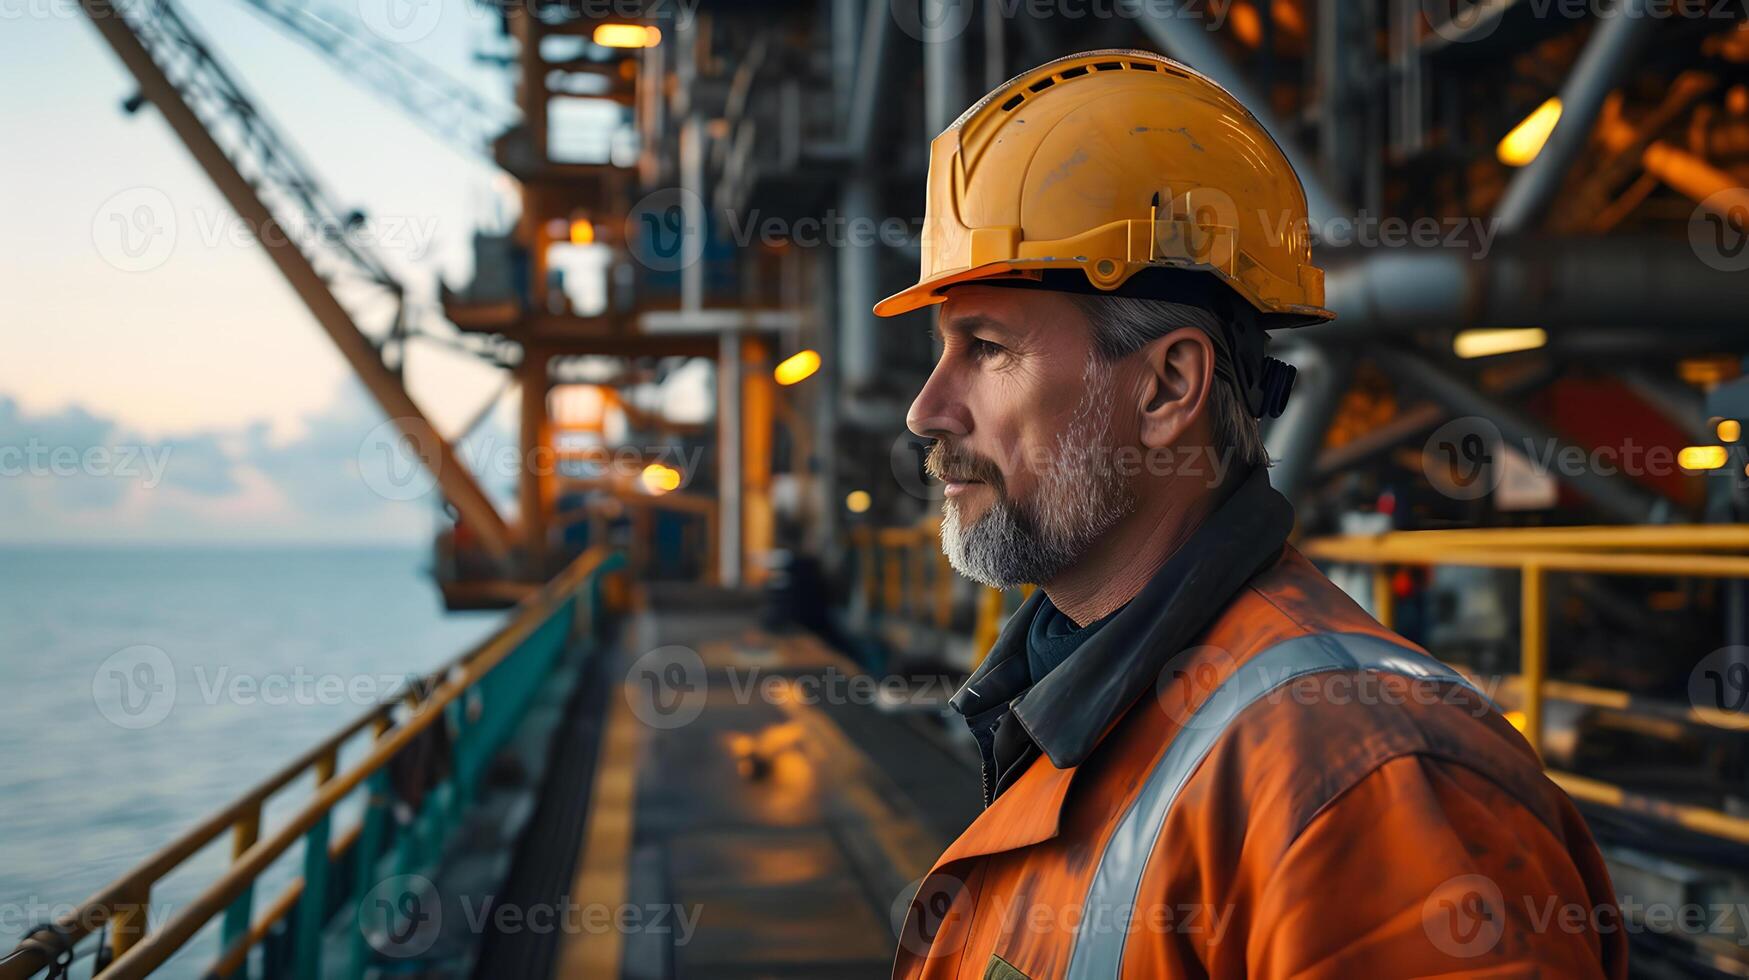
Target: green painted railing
point(480, 697)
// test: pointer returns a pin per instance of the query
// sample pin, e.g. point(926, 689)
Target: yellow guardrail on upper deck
point(1662, 550)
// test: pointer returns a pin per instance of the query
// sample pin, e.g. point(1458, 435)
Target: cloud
point(71, 475)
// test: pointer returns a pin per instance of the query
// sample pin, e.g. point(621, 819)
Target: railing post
point(943, 591)
point(127, 925)
point(989, 623)
point(868, 565)
point(1533, 666)
point(595, 607)
point(313, 903)
point(1383, 602)
point(920, 607)
point(457, 791)
point(238, 915)
point(893, 591)
point(370, 846)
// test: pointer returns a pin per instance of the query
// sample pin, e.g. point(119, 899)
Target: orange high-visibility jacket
point(1300, 792)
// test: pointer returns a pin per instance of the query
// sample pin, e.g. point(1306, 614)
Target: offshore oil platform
point(758, 189)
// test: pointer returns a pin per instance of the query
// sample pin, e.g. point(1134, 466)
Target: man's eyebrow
point(970, 322)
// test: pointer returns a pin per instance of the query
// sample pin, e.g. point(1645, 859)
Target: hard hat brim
point(928, 292)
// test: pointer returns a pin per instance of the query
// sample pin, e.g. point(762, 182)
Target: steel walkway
point(729, 803)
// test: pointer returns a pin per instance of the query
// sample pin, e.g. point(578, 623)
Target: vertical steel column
point(758, 525)
point(729, 449)
point(944, 85)
point(535, 475)
point(1407, 91)
point(995, 45)
point(693, 209)
point(846, 24)
point(859, 357)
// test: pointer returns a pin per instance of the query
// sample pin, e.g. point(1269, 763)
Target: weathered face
point(1024, 418)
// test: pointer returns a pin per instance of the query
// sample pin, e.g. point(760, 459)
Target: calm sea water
point(103, 758)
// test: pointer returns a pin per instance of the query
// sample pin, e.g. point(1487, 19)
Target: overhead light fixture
point(797, 367)
point(627, 36)
point(1701, 458)
point(858, 501)
point(582, 232)
point(659, 479)
point(1729, 430)
point(1526, 140)
point(1489, 341)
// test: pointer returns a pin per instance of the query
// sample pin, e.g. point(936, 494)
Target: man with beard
point(1200, 758)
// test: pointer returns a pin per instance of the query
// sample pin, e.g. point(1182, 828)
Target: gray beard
point(1079, 497)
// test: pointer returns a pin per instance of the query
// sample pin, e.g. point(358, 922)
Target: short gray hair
point(1122, 325)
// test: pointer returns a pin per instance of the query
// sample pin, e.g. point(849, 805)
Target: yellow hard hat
point(1114, 162)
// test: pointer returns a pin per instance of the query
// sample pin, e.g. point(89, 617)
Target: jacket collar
point(1071, 708)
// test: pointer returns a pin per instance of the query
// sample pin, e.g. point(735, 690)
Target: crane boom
point(281, 201)
point(444, 106)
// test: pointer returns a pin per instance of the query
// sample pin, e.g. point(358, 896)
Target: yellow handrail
point(1646, 537)
point(1535, 552)
point(123, 901)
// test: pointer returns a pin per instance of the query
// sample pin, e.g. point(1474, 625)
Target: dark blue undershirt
point(1054, 636)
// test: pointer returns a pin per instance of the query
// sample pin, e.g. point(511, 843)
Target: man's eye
point(981, 348)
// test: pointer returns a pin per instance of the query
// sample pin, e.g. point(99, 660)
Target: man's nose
point(937, 411)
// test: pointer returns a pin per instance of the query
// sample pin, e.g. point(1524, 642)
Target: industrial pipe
point(1607, 57)
point(1651, 283)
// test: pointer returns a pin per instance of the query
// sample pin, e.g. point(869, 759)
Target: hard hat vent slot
point(1109, 66)
point(1075, 72)
point(1144, 66)
point(1011, 103)
point(1042, 84)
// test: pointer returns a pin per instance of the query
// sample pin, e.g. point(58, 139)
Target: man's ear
point(1178, 370)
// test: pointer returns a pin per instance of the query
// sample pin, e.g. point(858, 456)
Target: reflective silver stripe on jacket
point(1098, 948)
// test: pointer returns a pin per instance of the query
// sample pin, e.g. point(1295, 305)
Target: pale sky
point(208, 353)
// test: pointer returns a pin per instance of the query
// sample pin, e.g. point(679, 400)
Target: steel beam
point(1616, 496)
point(1607, 58)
